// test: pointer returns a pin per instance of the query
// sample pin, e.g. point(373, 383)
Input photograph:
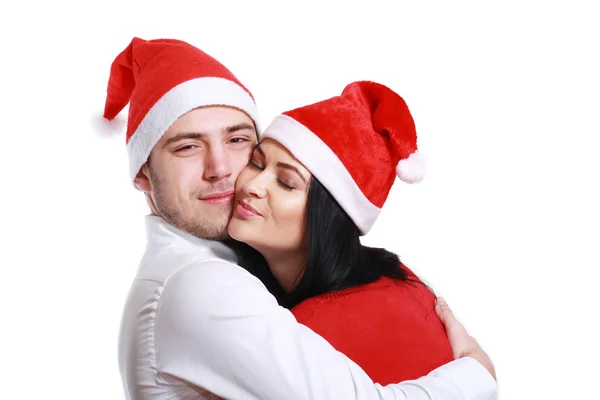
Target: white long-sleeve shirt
point(196, 323)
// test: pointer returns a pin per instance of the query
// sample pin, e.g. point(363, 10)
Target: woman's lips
point(245, 210)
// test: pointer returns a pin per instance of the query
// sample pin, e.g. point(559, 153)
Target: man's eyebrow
point(239, 127)
point(199, 135)
point(291, 168)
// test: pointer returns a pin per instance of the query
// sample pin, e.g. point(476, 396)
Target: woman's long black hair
point(336, 258)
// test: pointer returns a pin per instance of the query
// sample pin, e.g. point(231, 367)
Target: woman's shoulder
point(383, 292)
point(331, 302)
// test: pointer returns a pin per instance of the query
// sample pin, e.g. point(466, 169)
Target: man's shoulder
point(208, 290)
point(161, 264)
point(203, 283)
point(208, 271)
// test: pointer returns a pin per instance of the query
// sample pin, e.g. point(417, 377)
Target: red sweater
point(388, 327)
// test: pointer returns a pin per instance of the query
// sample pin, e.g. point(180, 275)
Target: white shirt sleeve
point(218, 328)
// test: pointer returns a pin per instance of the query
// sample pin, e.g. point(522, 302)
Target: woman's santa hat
point(355, 144)
point(162, 80)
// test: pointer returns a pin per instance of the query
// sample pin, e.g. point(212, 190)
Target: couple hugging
point(254, 283)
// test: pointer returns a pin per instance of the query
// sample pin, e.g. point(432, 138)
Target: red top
point(388, 327)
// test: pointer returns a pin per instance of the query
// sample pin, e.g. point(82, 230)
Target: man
point(195, 323)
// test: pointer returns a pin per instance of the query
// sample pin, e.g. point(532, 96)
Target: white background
point(506, 98)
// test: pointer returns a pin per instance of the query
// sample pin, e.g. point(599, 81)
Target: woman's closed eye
point(256, 164)
point(286, 186)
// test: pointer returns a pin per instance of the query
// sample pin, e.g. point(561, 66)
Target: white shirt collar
point(159, 231)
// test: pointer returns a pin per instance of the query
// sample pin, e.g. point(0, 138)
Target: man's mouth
point(218, 198)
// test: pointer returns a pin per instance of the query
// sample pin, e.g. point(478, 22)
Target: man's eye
point(188, 147)
point(239, 140)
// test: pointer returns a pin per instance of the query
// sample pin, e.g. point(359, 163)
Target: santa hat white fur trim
point(411, 169)
point(176, 102)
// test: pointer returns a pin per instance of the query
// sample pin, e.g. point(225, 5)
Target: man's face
point(191, 172)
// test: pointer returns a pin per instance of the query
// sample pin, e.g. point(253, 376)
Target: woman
point(313, 186)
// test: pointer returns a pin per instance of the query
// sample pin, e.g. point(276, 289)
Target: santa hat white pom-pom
point(411, 169)
point(105, 127)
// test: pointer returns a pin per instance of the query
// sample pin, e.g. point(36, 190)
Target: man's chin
point(213, 229)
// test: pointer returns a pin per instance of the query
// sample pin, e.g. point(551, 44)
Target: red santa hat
point(355, 144)
point(162, 80)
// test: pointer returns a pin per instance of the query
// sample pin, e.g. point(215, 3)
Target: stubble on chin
point(206, 224)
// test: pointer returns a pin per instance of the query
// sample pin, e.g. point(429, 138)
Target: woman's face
point(270, 203)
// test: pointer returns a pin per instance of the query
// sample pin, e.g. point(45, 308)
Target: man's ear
point(142, 179)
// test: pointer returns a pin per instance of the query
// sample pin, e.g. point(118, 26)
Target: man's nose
point(217, 164)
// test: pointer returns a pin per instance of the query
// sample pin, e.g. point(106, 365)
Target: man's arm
point(218, 328)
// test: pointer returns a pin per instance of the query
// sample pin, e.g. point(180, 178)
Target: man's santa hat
point(355, 144)
point(162, 80)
